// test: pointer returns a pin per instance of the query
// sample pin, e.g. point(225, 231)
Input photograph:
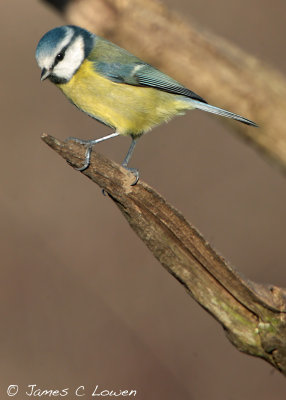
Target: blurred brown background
point(83, 302)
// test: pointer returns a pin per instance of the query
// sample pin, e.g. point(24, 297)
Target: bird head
point(61, 51)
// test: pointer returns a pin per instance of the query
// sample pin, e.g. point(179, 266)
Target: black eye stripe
point(59, 57)
point(61, 54)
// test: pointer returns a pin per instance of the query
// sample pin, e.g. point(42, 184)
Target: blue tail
point(222, 112)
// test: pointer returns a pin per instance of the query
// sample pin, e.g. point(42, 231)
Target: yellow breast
point(128, 109)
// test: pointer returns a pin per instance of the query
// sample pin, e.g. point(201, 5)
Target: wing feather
point(141, 74)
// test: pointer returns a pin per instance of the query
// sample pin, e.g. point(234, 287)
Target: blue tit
point(113, 86)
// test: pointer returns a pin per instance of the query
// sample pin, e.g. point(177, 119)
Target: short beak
point(45, 74)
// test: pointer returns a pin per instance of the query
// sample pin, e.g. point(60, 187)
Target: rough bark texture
point(218, 71)
point(253, 315)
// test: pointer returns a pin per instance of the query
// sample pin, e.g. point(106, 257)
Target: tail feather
point(222, 112)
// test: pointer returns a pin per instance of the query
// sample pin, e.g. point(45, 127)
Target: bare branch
point(214, 68)
point(253, 316)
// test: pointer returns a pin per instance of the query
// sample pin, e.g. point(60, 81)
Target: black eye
point(60, 57)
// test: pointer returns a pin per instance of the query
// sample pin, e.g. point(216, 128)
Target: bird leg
point(89, 144)
point(126, 160)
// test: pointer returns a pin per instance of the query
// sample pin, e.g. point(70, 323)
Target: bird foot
point(134, 171)
point(88, 144)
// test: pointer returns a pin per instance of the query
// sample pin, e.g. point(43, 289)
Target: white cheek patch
point(74, 56)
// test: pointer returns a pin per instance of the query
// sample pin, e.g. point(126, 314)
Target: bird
point(114, 86)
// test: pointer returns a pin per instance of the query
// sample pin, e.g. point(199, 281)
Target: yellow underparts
point(128, 109)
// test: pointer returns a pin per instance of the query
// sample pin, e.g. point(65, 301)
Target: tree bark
point(252, 315)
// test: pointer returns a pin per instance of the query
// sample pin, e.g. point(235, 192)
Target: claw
point(135, 172)
point(87, 153)
point(77, 140)
point(87, 159)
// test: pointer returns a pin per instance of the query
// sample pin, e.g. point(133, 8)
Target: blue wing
point(120, 66)
point(141, 74)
